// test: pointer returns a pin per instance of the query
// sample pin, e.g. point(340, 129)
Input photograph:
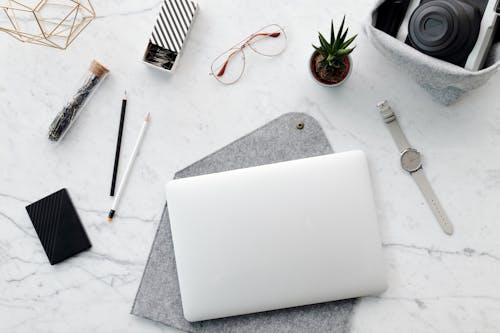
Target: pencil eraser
point(170, 33)
point(58, 226)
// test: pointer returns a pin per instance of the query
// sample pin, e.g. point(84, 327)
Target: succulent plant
point(334, 52)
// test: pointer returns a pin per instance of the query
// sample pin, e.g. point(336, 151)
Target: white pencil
point(129, 167)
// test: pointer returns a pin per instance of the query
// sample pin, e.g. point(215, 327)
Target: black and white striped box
point(170, 33)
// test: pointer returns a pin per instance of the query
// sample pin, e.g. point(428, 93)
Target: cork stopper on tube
point(98, 69)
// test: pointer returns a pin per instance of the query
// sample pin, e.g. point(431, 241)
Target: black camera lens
point(445, 29)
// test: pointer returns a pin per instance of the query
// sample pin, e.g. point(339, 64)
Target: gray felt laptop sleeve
point(158, 297)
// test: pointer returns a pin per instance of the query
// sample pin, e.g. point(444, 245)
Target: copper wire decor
point(54, 23)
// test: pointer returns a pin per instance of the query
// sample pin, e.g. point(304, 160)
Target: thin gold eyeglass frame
point(242, 44)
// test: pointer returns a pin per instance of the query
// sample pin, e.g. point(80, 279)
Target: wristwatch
point(411, 161)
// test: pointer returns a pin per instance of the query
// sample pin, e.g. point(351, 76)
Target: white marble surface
point(437, 283)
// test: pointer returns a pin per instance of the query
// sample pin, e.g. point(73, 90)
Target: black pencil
point(118, 145)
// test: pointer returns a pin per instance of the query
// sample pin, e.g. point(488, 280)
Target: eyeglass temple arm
point(263, 34)
point(223, 68)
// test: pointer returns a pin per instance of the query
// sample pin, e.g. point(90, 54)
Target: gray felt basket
point(444, 81)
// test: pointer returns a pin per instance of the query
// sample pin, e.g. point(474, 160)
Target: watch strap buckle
point(386, 112)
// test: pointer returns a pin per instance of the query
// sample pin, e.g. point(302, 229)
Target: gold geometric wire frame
point(54, 23)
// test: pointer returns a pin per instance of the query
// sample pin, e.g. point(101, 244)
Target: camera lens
point(445, 29)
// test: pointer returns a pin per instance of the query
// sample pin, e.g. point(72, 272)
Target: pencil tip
point(148, 116)
point(110, 215)
point(125, 95)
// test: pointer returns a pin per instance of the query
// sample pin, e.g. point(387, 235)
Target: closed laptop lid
point(276, 236)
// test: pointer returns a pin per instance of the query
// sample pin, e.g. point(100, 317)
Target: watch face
point(411, 160)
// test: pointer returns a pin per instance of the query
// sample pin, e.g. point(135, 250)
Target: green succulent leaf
point(344, 35)
point(323, 41)
point(344, 52)
point(341, 28)
point(332, 34)
point(348, 42)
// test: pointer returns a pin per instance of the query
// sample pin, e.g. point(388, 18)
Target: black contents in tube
point(66, 116)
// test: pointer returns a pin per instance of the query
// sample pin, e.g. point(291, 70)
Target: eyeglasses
point(269, 41)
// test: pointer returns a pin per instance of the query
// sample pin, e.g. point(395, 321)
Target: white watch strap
point(393, 125)
point(419, 176)
point(433, 201)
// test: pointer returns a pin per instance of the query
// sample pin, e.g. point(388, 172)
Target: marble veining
point(436, 283)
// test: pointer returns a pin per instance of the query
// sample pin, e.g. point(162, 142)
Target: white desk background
point(437, 283)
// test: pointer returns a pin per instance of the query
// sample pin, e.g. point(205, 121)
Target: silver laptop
point(276, 236)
